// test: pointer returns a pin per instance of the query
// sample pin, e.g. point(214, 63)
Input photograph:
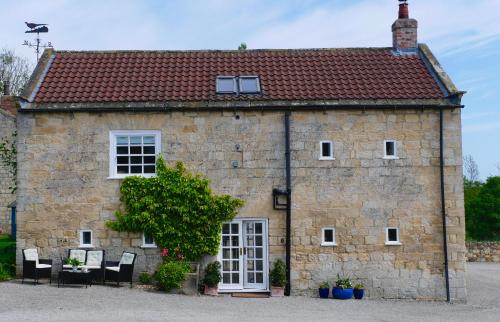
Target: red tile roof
point(302, 74)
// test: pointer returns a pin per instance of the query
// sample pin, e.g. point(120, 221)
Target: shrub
point(324, 285)
point(171, 274)
point(5, 272)
point(212, 274)
point(177, 208)
point(145, 278)
point(343, 282)
point(278, 274)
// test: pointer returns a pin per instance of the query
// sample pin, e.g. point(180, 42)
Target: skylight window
point(249, 84)
point(226, 84)
point(237, 85)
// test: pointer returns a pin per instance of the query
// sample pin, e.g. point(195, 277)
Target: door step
point(251, 295)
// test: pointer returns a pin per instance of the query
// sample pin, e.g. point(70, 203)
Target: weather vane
point(37, 28)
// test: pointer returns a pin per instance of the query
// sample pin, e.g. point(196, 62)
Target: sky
point(464, 35)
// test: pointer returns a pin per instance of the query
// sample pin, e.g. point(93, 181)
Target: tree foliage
point(482, 209)
point(15, 70)
point(8, 157)
point(178, 209)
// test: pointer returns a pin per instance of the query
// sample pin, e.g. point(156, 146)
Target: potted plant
point(342, 289)
point(212, 279)
point(359, 291)
point(277, 278)
point(324, 289)
point(74, 262)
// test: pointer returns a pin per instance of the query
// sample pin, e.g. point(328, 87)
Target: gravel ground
point(105, 303)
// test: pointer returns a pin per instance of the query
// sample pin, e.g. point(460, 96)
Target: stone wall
point(7, 128)
point(63, 186)
point(483, 251)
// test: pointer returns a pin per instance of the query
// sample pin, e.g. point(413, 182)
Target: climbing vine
point(8, 157)
point(177, 208)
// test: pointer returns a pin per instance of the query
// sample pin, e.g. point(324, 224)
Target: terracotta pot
point(212, 291)
point(277, 291)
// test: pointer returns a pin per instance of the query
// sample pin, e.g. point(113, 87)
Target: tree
point(178, 209)
point(470, 168)
point(242, 46)
point(482, 209)
point(14, 70)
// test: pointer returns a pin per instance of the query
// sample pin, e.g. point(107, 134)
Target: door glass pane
point(250, 253)
point(259, 277)
point(226, 278)
point(258, 228)
point(258, 240)
point(250, 265)
point(259, 265)
point(234, 229)
point(250, 277)
point(250, 241)
point(226, 253)
point(249, 228)
point(258, 253)
point(225, 265)
point(225, 228)
point(235, 241)
point(236, 278)
point(225, 240)
point(236, 265)
point(236, 252)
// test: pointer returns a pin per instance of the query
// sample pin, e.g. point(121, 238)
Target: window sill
point(328, 244)
point(132, 175)
point(326, 159)
point(393, 243)
point(149, 246)
point(86, 246)
point(390, 158)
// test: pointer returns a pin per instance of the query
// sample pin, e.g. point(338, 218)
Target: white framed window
point(392, 236)
point(390, 149)
point(147, 241)
point(225, 84)
point(249, 84)
point(86, 238)
point(328, 236)
point(326, 150)
point(133, 153)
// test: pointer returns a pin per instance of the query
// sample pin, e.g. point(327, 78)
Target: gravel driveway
point(97, 303)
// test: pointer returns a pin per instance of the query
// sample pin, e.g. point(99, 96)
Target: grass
point(7, 257)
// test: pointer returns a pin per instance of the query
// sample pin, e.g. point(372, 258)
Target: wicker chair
point(121, 271)
point(34, 267)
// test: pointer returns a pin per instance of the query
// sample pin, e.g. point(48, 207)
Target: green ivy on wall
point(178, 209)
point(8, 156)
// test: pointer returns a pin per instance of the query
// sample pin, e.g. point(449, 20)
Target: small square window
point(249, 84)
point(86, 238)
point(148, 241)
point(326, 150)
point(226, 84)
point(328, 236)
point(390, 149)
point(392, 236)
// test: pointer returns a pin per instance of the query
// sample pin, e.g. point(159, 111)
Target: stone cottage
point(8, 110)
point(349, 160)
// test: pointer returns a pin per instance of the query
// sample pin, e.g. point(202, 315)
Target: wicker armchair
point(34, 267)
point(121, 271)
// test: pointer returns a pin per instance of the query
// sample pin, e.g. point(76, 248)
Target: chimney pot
point(404, 13)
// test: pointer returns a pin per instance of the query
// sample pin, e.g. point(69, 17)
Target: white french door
point(243, 255)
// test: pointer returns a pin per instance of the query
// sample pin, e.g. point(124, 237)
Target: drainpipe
point(443, 207)
point(288, 202)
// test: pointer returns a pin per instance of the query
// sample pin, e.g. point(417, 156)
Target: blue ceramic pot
point(358, 294)
point(342, 293)
point(323, 293)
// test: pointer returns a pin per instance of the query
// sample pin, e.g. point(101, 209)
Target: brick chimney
point(404, 31)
